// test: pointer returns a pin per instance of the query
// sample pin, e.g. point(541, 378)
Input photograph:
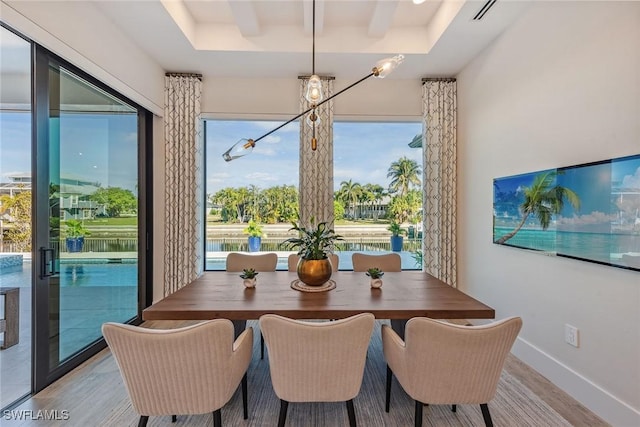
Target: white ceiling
point(272, 38)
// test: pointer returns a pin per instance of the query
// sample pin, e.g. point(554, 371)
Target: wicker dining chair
point(386, 262)
point(190, 370)
point(237, 261)
point(444, 363)
point(317, 362)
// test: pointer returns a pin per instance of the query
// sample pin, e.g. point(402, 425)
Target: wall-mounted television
point(589, 212)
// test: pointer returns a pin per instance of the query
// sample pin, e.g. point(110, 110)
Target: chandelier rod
point(380, 70)
point(313, 39)
point(315, 106)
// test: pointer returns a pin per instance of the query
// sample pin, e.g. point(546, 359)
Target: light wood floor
point(92, 378)
point(574, 412)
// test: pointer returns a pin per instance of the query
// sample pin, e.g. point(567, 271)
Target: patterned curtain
point(439, 177)
point(183, 181)
point(316, 167)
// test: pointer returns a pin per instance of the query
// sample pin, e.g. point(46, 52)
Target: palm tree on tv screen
point(543, 201)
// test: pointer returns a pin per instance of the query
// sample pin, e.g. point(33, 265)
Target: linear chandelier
point(313, 94)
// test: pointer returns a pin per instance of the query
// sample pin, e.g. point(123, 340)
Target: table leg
point(398, 326)
point(238, 327)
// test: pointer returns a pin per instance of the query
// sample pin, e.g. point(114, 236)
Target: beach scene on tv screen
point(589, 212)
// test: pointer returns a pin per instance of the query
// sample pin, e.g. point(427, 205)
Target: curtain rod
point(438, 79)
point(198, 76)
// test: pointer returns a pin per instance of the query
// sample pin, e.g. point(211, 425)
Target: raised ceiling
point(272, 38)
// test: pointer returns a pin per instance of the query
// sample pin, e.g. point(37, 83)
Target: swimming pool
point(91, 292)
point(98, 274)
point(86, 272)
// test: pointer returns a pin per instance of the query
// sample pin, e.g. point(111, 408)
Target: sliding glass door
point(87, 215)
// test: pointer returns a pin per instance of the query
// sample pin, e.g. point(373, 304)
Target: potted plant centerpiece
point(249, 276)
point(254, 230)
point(314, 244)
point(376, 277)
point(75, 235)
point(396, 236)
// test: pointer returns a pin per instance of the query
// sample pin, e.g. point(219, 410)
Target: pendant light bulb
point(314, 90)
point(239, 149)
point(385, 66)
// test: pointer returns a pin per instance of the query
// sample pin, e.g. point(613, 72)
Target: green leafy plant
point(418, 257)
point(395, 229)
point(254, 229)
point(313, 243)
point(76, 228)
point(19, 207)
point(248, 273)
point(375, 273)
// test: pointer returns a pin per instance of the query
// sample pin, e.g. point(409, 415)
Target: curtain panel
point(316, 167)
point(439, 102)
point(183, 181)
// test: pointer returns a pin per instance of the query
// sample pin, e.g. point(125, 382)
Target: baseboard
point(601, 402)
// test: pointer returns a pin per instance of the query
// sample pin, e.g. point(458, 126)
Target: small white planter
point(376, 283)
point(249, 283)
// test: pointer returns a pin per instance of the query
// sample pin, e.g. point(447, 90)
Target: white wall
point(279, 98)
point(158, 208)
point(560, 87)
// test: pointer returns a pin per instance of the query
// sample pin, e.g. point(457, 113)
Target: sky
point(104, 150)
point(594, 185)
point(363, 152)
point(94, 148)
point(15, 144)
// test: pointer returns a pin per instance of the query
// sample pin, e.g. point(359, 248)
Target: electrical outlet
point(571, 335)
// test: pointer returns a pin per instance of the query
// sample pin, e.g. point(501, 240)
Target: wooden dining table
point(406, 294)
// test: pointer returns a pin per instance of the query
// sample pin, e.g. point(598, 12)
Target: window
point(377, 179)
point(263, 187)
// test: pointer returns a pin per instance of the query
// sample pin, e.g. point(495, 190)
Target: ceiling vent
point(484, 9)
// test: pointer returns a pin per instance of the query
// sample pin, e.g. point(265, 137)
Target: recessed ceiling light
point(418, 1)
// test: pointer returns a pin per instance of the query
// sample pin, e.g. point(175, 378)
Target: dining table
point(403, 295)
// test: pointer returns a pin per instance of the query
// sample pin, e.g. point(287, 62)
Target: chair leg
point(486, 415)
point(453, 408)
point(283, 412)
point(174, 418)
point(387, 399)
point(418, 414)
point(352, 413)
point(245, 407)
point(261, 346)
point(143, 421)
point(217, 418)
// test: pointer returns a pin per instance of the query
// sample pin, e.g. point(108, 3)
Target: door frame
point(42, 375)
